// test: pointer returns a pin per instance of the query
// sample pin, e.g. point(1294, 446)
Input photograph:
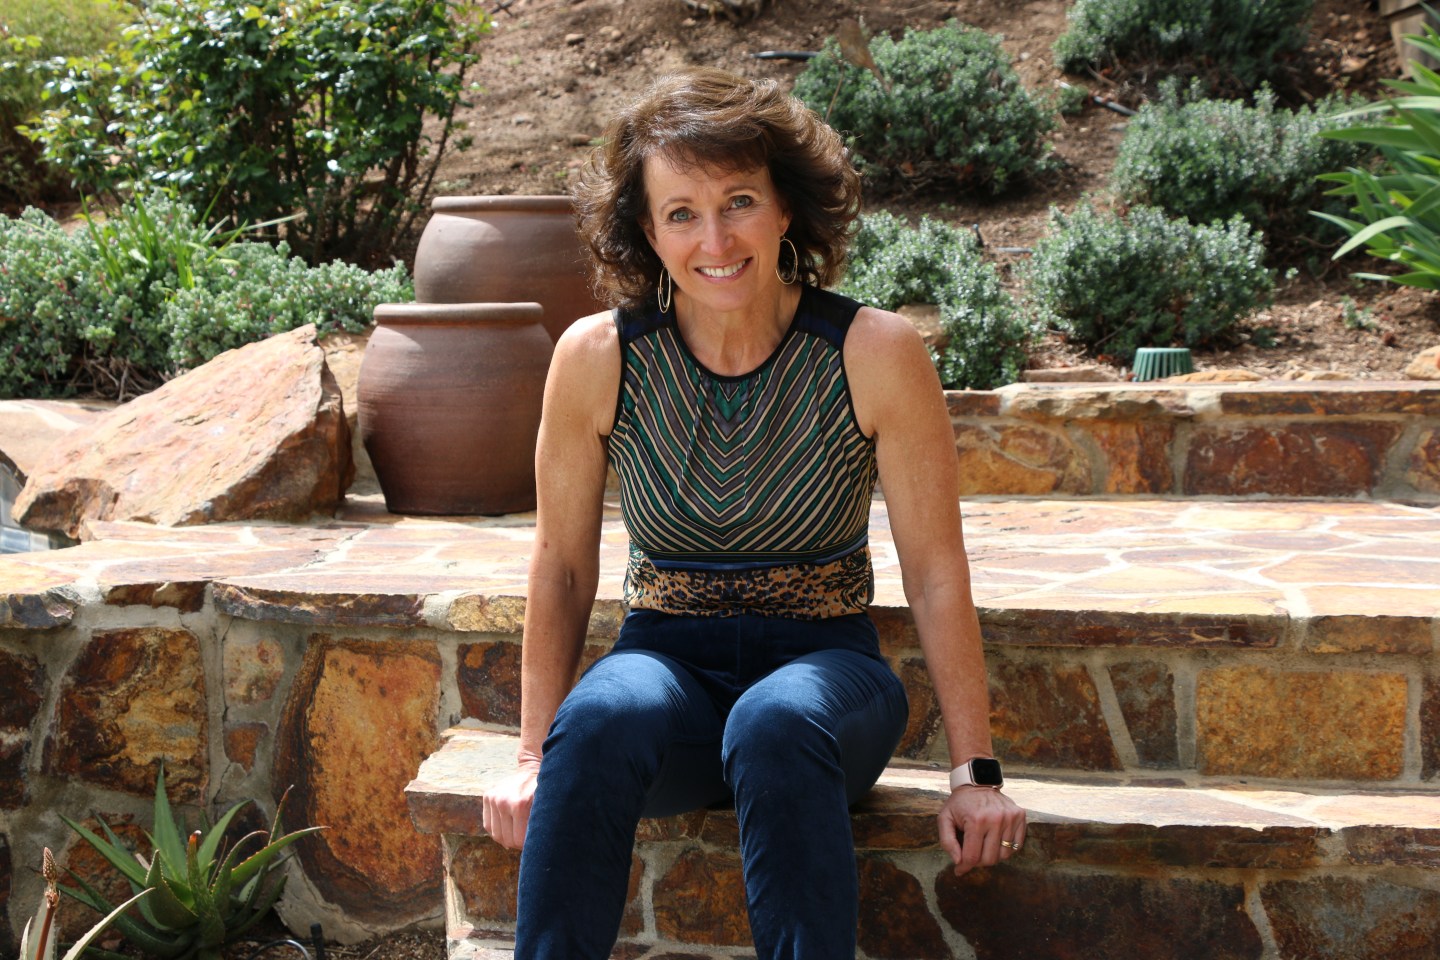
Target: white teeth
point(719, 272)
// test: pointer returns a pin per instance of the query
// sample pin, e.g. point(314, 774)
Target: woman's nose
point(716, 237)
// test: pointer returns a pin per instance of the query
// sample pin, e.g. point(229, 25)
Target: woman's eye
point(680, 216)
point(742, 201)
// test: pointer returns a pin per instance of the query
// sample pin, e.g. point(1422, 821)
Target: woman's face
point(717, 233)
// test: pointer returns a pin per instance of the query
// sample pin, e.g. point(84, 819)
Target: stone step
point(1111, 868)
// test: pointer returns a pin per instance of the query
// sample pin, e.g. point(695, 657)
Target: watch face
point(986, 772)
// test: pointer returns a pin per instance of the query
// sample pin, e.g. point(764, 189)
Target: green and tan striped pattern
point(747, 493)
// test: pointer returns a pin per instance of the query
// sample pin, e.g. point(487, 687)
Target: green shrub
point(1397, 205)
point(270, 108)
point(952, 111)
point(892, 264)
point(116, 308)
point(260, 290)
point(1117, 283)
point(31, 33)
point(1212, 159)
point(1232, 44)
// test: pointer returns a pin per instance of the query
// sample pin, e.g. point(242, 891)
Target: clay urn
point(503, 250)
point(449, 397)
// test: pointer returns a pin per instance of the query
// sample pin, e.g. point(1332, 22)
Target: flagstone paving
point(1291, 559)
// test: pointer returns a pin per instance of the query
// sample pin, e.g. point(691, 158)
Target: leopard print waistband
point(804, 591)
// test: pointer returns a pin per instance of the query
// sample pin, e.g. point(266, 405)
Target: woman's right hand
point(507, 805)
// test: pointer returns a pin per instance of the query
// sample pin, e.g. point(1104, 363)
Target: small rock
point(522, 119)
point(580, 139)
point(574, 39)
point(1426, 366)
point(1214, 376)
point(612, 34)
point(1316, 375)
point(1087, 374)
point(925, 317)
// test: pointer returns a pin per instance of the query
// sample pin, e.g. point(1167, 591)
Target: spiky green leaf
point(114, 854)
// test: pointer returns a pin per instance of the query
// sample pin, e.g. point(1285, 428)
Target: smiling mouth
point(720, 273)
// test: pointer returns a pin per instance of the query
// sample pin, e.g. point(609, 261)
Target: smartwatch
point(980, 772)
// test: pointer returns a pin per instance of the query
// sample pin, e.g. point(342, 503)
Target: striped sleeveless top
point(744, 494)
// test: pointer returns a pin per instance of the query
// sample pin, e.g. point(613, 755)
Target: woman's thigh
point(849, 707)
point(641, 714)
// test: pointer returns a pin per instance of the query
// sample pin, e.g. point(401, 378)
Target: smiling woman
point(747, 413)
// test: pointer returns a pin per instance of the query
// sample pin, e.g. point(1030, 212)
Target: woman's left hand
point(980, 827)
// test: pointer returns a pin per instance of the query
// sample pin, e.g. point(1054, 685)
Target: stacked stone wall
point(1326, 439)
point(340, 701)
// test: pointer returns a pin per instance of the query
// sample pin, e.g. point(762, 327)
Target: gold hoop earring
point(794, 264)
point(664, 296)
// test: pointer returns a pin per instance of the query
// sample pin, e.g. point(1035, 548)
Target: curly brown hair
point(714, 120)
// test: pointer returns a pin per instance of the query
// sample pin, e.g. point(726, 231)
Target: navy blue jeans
point(793, 720)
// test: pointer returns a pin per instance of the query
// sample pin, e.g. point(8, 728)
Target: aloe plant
point(202, 896)
point(38, 941)
point(1397, 207)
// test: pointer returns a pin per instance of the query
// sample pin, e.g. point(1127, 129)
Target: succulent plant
point(202, 896)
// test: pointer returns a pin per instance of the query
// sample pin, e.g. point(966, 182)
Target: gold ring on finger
point(1007, 843)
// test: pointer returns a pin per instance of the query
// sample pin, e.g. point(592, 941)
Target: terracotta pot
point(505, 250)
point(449, 397)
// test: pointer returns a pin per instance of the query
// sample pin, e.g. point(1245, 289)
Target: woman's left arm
point(899, 402)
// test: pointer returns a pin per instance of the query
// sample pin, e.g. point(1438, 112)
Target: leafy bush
point(1117, 283)
point(259, 290)
point(1233, 44)
point(952, 109)
point(1212, 159)
point(31, 33)
point(1398, 204)
point(892, 264)
point(272, 107)
point(202, 895)
point(116, 308)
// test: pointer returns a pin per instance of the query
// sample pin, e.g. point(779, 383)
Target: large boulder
point(29, 428)
point(256, 433)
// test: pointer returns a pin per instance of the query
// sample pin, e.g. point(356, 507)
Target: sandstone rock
point(1342, 459)
point(132, 699)
point(256, 433)
point(1426, 366)
point(894, 918)
point(29, 428)
point(1214, 376)
point(1264, 722)
point(359, 721)
point(344, 353)
point(1049, 716)
point(1344, 917)
point(1088, 374)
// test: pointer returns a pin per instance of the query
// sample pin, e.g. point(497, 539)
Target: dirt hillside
point(553, 71)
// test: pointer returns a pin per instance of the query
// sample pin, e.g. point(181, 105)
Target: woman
point(746, 412)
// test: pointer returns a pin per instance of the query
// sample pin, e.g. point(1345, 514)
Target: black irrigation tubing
point(317, 940)
point(784, 55)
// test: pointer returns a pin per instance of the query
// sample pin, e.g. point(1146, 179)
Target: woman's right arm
point(570, 466)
